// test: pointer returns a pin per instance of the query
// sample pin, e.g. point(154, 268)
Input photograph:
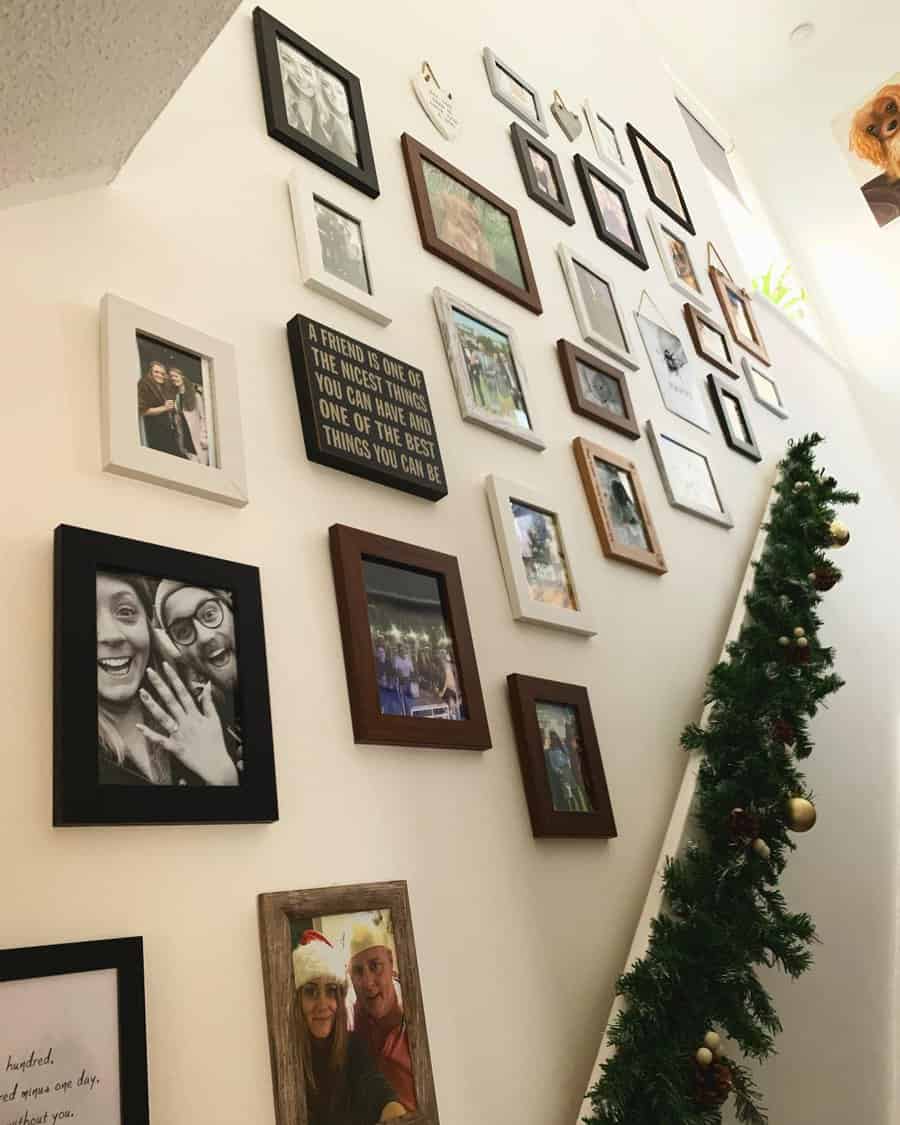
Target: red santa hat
point(314, 957)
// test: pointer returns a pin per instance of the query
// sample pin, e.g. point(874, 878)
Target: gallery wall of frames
point(389, 441)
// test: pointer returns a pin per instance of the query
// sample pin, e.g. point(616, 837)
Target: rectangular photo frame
point(515, 93)
point(468, 226)
point(688, 479)
point(733, 417)
point(488, 370)
point(660, 178)
point(324, 942)
point(737, 307)
point(710, 340)
point(677, 261)
point(541, 173)
point(161, 693)
point(596, 389)
point(183, 434)
point(610, 211)
point(562, 768)
point(536, 560)
point(593, 296)
point(403, 619)
point(606, 144)
point(764, 388)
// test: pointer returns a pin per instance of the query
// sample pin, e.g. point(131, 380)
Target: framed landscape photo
point(537, 566)
point(610, 212)
point(737, 307)
point(675, 255)
point(597, 390)
point(541, 173)
point(332, 251)
point(488, 370)
point(658, 173)
point(313, 104)
point(73, 1037)
point(169, 404)
point(674, 371)
point(161, 695)
point(688, 479)
point(342, 989)
point(710, 340)
point(733, 418)
point(408, 651)
point(765, 389)
point(606, 143)
point(619, 507)
point(515, 93)
point(468, 226)
point(562, 770)
point(593, 298)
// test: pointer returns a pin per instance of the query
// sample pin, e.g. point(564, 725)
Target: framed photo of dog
point(868, 134)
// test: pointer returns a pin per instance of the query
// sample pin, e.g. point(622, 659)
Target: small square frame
point(657, 229)
point(491, 65)
point(615, 168)
point(653, 560)
point(568, 259)
point(719, 390)
point(471, 411)
point(570, 355)
point(634, 253)
point(349, 546)
point(638, 140)
point(724, 286)
point(500, 494)
point(719, 515)
point(697, 319)
point(752, 375)
point(522, 141)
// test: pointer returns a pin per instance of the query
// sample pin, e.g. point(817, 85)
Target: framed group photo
point(596, 389)
point(610, 212)
point(593, 297)
point(161, 695)
point(541, 173)
point(688, 479)
point(515, 93)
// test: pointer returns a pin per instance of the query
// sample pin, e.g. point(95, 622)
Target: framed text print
point(659, 177)
point(610, 212)
point(733, 418)
point(737, 307)
point(674, 371)
point(515, 93)
point(688, 479)
point(765, 389)
point(593, 298)
point(597, 390)
point(541, 173)
point(677, 260)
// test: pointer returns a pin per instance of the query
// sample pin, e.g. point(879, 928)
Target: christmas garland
point(724, 914)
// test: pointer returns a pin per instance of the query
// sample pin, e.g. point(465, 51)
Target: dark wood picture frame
point(78, 795)
point(349, 547)
point(414, 154)
point(587, 172)
point(570, 356)
point(724, 287)
point(275, 911)
point(637, 140)
point(525, 692)
point(268, 31)
point(720, 391)
point(696, 321)
point(126, 956)
point(522, 141)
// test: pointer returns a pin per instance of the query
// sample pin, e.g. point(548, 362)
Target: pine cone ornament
point(783, 731)
point(712, 1084)
point(743, 824)
point(824, 578)
point(798, 654)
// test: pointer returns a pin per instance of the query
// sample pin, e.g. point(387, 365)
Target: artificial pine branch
point(724, 914)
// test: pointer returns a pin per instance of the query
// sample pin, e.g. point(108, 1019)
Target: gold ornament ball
point(840, 534)
point(761, 848)
point(799, 631)
point(704, 1056)
point(801, 814)
point(784, 641)
point(802, 642)
point(712, 1040)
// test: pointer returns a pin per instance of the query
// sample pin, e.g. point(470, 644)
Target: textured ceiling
point(82, 80)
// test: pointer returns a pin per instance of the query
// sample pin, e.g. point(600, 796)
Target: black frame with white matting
point(586, 173)
point(349, 424)
point(637, 139)
point(696, 321)
point(522, 141)
point(268, 31)
point(570, 357)
point(79, 797)
point(720, 392)
point(126, 957)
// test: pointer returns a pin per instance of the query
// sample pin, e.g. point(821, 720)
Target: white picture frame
point(525, 606)
point(669, 452)
point(753, 374)
point(124, 452)
point(674, 368)
point(571, 262)
point(471, 410)
point(310, 251)
point(596, 122)
point(661, 229)
point(497, 73)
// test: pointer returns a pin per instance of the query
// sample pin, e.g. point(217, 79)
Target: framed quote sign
point(363, 411)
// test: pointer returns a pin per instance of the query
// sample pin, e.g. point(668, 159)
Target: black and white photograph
point(316, 102)
point(174, 401)
point(600, 389)
point(625, 519)
point(343, 251)
point(541, 173)
point(674, 371)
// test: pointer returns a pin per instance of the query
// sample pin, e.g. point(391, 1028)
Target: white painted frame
point(567, 259)
point(524, 608)
point(656, 229)
point(615, 168)
point(309, 248)
point(491, 63)
point(720, 515)
point(444, 304)
point(120, 323)
point(750, 373)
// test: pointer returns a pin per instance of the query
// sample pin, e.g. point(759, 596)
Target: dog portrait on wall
point(869, 134)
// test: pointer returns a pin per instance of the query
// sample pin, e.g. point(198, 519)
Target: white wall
point(519, 940)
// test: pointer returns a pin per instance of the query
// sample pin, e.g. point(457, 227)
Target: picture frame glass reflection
point(341, 244)
point(543, 556)
point(564, 762)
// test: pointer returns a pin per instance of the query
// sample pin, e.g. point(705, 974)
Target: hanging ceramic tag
point(569, 122)
point(437, 103)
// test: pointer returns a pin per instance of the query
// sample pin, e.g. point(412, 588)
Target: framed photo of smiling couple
point(161, 697)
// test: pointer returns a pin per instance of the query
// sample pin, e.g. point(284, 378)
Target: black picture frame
point(126, 956)
point(268, 31)
point(722, 391)
point(586, 171)
point(78, 795)
point(637, 140)
point(522, 141)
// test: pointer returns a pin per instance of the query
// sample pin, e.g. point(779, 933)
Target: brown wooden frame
point(723, 285)
point(524, 694)
point(695, 318)
point(275, 911)
point(569, 356)
point(585, 452)
point(349, 546)
point(413, 155)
